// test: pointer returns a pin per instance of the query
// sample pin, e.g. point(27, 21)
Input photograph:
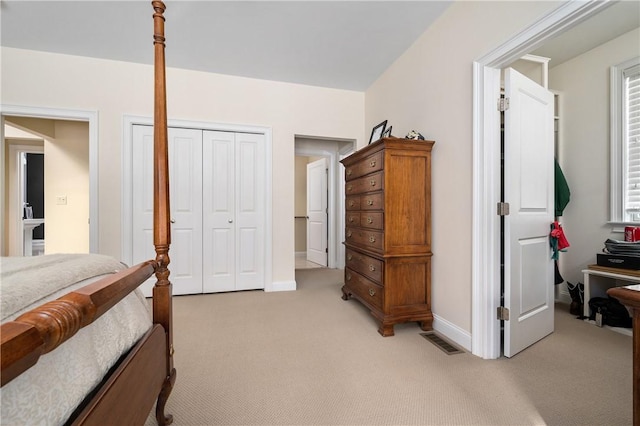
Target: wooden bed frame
point(145, 374)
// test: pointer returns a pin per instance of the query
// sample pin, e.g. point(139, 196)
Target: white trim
point(282, 286)
point(545, 67)
point(452, 332)
point(486, 245)
point(74, 115)
point(16, 232)
point(617, 213)
point(127, 197)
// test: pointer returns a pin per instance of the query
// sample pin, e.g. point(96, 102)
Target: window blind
point(631, 138)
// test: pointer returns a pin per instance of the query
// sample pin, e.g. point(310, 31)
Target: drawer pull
point(349, 257)
point(352, 203)
point(369, 202)
point(369, 220)
point(372, 182)
point(372, 292)
point(372, 239)
point(372, 268)
point(349, 188)
point(349, 234)
point(351, 219)
point(373, 163)
point(348, 277)
point(349, 172)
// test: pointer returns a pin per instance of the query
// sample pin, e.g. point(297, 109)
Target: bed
point(79, 343)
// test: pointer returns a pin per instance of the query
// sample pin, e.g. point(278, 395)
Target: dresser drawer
point(368, 183)
point(366, 289)
point(372, 220)
point(353, 203)
point(373, 201)
point(365, 238)
point(370, 164)
point(353, 218)
point(365, 265)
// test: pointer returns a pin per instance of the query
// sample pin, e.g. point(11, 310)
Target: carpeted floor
point(309, 358)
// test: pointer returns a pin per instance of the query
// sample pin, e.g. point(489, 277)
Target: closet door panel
point(219, 211)
point(142, 202)
point(185, 170)
point(250, 227)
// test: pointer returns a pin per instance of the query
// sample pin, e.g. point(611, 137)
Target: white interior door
point(529, 190)
point(234, 211)
point(317, 212)
point(185, 168)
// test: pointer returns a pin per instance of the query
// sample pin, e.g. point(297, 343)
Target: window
point(625, 142)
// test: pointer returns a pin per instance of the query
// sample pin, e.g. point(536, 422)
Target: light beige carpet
point(309, 358)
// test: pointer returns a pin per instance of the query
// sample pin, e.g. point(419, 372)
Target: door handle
point(230, 220)
point(173, 221)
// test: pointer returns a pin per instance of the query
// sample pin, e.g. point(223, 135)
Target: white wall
point(429, 89)
point(114, 89)
point(583, 83)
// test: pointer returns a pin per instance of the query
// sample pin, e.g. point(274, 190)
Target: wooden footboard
point(128, 395)
point(43, 329)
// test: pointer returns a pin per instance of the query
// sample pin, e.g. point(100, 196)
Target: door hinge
point(503, 209)
point(503, 313)
point(503, 104)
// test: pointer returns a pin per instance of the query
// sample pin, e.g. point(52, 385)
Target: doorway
point(309, 148)
point(486, 164)
point(25, 116)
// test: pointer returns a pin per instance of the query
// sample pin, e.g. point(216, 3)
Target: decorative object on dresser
point(388, 231)
point(387, 132)
point(377, 132)
point(414, 135)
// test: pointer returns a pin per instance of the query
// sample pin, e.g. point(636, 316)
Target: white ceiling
point(338, 44)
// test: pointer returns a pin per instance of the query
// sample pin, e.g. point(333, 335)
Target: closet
point(217, 208)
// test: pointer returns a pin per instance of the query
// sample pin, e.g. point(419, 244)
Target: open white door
point(317, 212)
point(529, 190)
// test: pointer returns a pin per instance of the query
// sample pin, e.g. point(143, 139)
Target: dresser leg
point(386, 330)
point(345, 293)
point(426, 325)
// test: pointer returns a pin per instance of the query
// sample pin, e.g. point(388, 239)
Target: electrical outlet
point(61, 200)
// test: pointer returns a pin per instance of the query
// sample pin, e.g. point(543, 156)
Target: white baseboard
point(281, 286)
point(452, 332)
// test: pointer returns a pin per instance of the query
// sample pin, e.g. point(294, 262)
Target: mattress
point(49, 392)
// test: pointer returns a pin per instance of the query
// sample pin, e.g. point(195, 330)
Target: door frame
point(315, 146)
point(485, 328)
point(90, 117)
point(15, 230)
point(127, 201)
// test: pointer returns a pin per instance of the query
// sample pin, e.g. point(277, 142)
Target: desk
point(630, 297)
point(628, 275)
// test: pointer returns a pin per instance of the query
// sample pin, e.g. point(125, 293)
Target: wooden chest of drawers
point(388, 231)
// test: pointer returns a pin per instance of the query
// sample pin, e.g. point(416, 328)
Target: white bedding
point(49, 392)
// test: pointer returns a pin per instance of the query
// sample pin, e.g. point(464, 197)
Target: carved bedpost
point(162, 303)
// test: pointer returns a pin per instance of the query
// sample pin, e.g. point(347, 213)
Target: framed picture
point(387, 132)
point(377, 131)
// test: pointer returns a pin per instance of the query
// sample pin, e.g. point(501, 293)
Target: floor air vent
point(446, 347)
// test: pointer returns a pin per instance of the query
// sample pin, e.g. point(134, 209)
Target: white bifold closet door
point(217, 209)
point(234, 212)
